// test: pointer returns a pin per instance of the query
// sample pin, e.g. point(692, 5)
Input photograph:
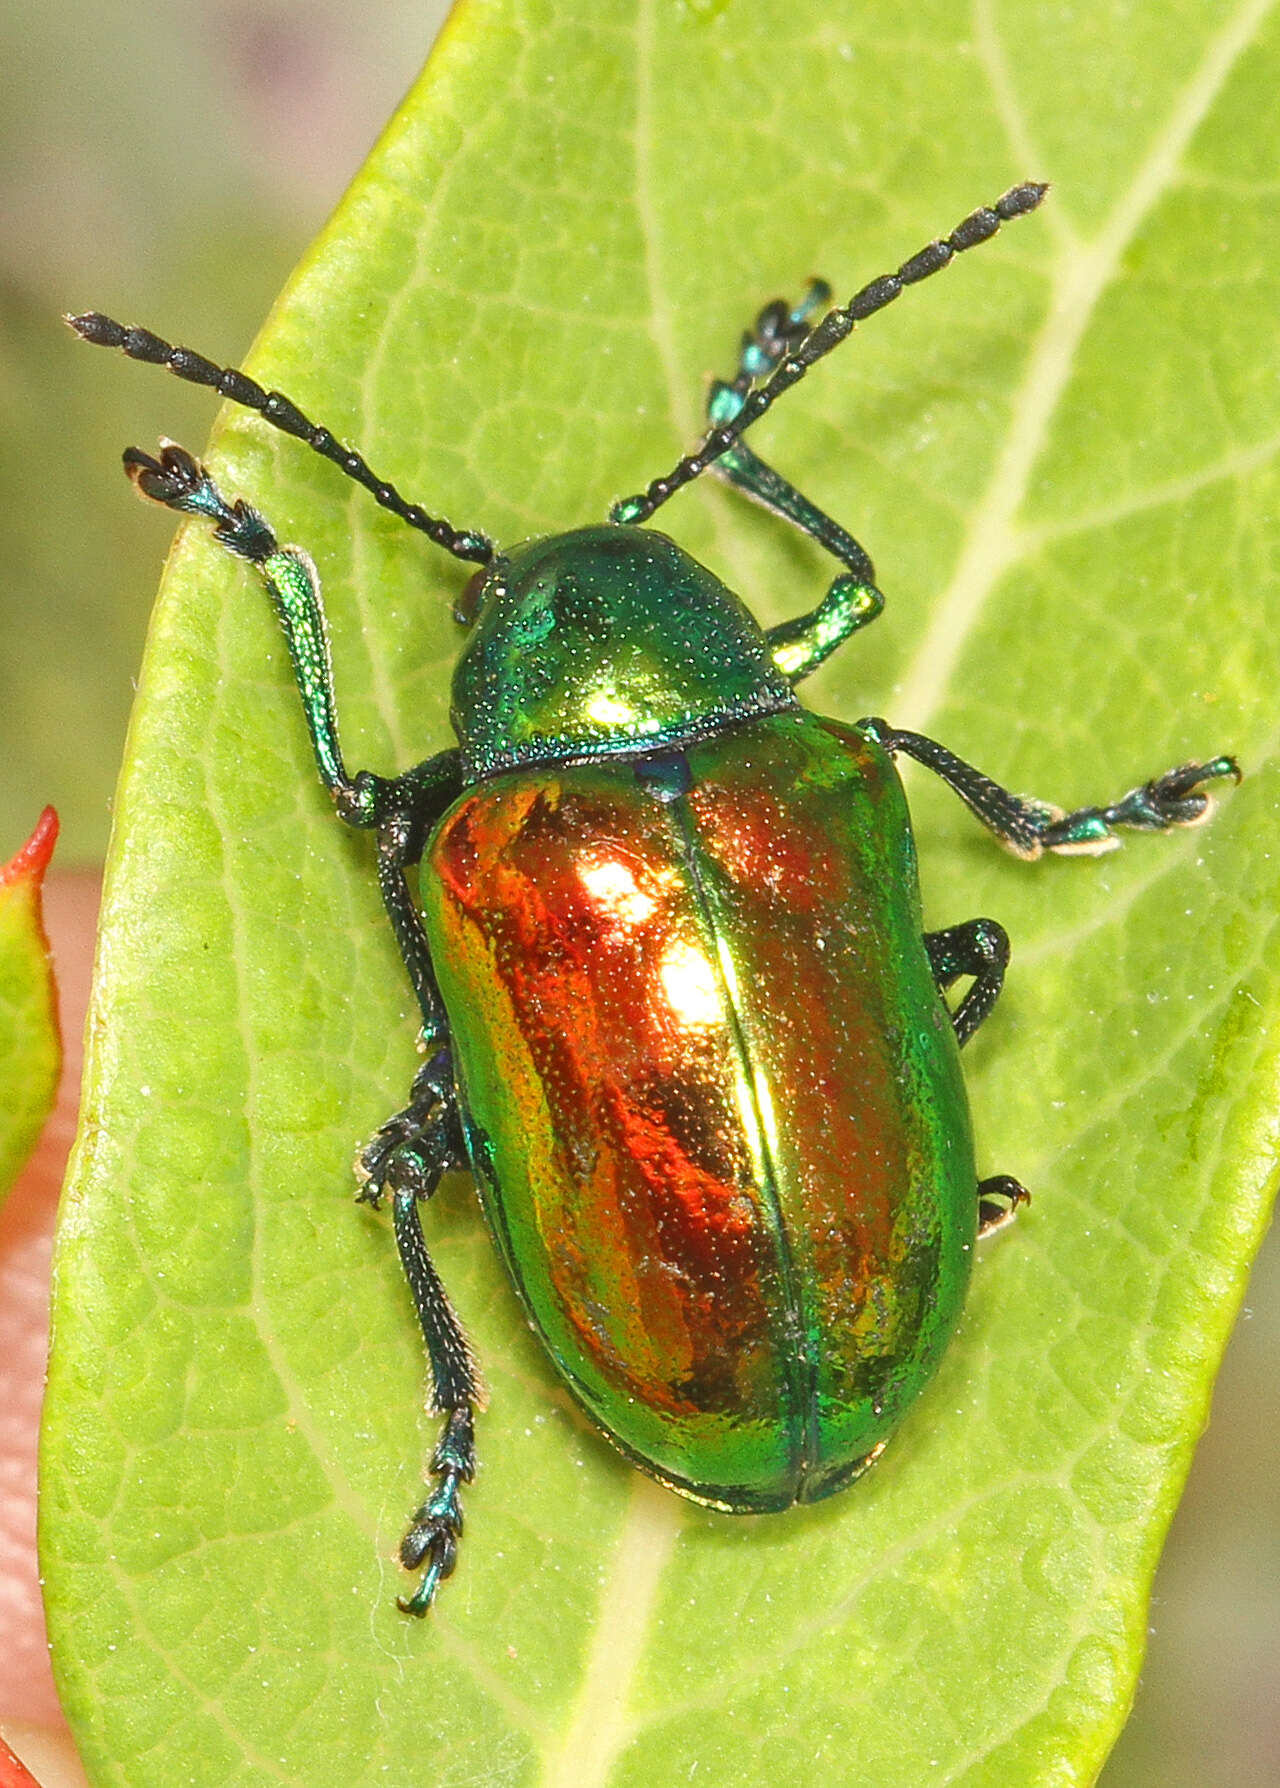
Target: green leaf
point(1062, 453)
point(30, 1046)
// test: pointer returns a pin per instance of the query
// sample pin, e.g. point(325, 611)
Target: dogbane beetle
point(681, 1018)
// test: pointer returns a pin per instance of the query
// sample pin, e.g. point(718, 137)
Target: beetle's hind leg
point(407, 1159)
point(798, 646)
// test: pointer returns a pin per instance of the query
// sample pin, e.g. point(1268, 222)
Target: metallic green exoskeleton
point(681, 1017)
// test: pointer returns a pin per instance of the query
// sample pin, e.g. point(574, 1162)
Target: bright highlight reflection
point(689, 983)
point(606, 710)
point(612, 886)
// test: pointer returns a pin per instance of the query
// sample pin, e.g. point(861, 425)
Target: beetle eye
point(467, 607)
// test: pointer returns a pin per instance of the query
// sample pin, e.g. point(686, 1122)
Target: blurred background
point(171, 171)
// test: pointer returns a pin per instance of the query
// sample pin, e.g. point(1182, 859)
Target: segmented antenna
point(979, 226)
point(282, 413)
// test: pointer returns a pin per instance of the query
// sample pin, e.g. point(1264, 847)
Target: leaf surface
point(1062, 454)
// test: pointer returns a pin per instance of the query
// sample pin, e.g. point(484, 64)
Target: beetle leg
point(178, 481)
point(410, 1153)
point(400, 842)
point(407, 1157)
point(431, 1102)
point(778, 329)
point(1029, 827)
point(998, 1199)
point(798, 646)
point(403, 808)
point(412, 1171)
point(979, 948)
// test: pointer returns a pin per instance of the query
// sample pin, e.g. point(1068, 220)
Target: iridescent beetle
point(681, 1019)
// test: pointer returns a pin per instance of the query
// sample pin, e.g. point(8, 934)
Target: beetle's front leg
point(1029, 827)
point(178, 481)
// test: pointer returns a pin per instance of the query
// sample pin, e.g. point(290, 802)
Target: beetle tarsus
point(178, 481)
point(444, 1556)
point(800, 645)
point(778, 329)
point(999, 1198)
point(1175, 799)
point(167, 480)
point(437, 1524)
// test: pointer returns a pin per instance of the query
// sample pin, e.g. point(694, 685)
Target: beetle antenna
point(282, 413)
point(979, 226)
